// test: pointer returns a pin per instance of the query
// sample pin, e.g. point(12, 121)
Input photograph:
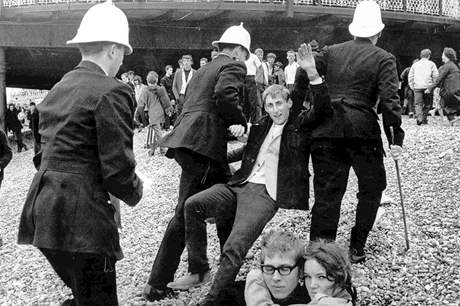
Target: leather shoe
point(69, 302)
point(190, 281)
point(154, 294)
point(356, 255)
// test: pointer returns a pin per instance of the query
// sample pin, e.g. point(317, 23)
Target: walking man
point(422, 75)
point(357, 73)
point(87, 153)
point(198, 143)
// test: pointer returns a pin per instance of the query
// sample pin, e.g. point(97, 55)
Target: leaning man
point(87, 153)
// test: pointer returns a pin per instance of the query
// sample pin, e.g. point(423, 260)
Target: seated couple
point(273, 174)
point(323, 266)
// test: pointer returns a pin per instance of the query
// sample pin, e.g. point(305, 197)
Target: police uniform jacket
point(358, 74)
point(87, 152)
point(210, 107)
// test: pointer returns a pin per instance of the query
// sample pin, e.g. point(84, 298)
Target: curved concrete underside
point(37, 57)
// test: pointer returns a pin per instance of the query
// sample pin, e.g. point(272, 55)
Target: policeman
point(67, 214)
point(357, 73)
point(198, 143)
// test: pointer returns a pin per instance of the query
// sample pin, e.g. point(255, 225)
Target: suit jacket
point(211, 106)
point(87, 152)
point(5, 153)
point(293, 176)
point(177, 82)
point(358, 74)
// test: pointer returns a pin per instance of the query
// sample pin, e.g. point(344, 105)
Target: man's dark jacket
point(210, 107)
point(293, 176)
point(5, 153)
point(34, 120)
point(87, 151)
point(11, 120)
point(358, 74)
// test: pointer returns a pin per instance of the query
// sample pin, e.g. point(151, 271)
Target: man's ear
point(289, 102)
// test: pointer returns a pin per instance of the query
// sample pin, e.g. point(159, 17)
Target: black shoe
point(356, 255)
point(69, 302)
point(154, 294)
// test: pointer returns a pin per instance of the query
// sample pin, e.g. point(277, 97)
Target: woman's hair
point(450, 54)
point(333, 259)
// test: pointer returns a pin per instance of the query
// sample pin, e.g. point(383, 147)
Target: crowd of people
point(322, 107)
point(428, 90)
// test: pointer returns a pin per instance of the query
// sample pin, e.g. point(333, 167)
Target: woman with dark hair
point(327, 272)
point(449, 83)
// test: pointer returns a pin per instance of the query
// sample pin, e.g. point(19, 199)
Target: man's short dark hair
point(32, 104)
point(187, 56)
point(93, 48)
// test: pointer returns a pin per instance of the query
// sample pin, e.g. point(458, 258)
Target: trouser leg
point(367, 162)
point(61, 263)
point(219, 202)
point(198, 173)
point(91, 277)
point(18, 135)
point(156, 136)
point(331, 167)
point(94, 280)
point(427, 105)
point(254, 209)
point(418, 100)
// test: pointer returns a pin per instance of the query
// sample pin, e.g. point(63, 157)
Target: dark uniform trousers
point(251, 107)
point(198, 173)
point(332, 160)
point(249, 205)
point(92, 277)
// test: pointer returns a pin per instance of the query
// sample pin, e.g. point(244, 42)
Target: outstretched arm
point(321, 100)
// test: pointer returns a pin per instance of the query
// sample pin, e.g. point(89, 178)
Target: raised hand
point(307, 61)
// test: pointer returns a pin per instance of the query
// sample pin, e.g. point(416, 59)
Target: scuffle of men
point(319, 106)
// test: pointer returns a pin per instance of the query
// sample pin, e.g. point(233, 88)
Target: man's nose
point(276, 275)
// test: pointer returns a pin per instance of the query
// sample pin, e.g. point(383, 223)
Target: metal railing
point(442, 8)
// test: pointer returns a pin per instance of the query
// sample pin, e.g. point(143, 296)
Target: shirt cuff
point(317, 81)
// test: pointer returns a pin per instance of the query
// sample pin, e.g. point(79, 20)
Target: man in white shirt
point(422, 75)
point(290, 70)
point(252, 102)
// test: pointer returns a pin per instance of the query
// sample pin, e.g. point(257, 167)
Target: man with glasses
point(277, 280)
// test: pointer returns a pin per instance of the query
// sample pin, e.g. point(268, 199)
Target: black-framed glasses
point(282, 270)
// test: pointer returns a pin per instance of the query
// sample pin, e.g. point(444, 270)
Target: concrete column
point(2, 88)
